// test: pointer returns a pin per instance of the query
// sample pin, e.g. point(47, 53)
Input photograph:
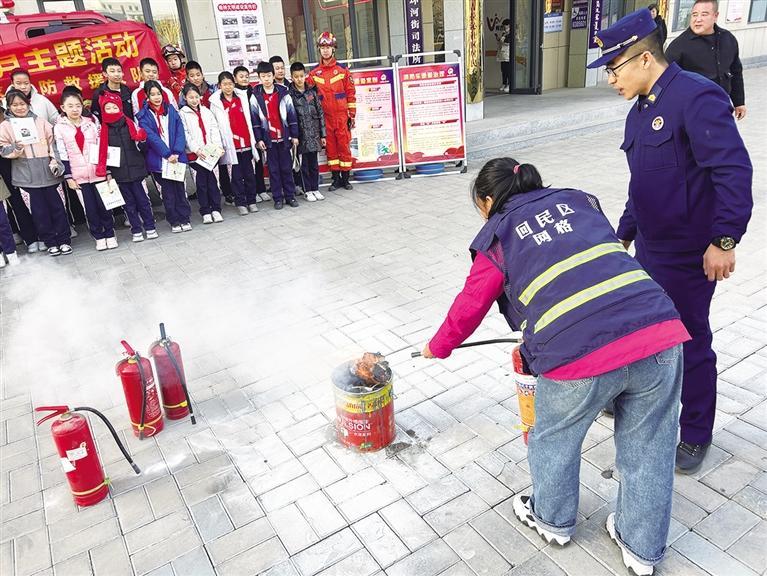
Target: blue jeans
point(646, 396)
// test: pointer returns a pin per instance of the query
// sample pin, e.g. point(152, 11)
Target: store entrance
point(520, 42)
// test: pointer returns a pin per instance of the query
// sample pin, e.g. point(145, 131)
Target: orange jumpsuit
point(339, 103)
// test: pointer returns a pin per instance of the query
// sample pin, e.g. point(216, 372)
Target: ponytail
point(502, 178)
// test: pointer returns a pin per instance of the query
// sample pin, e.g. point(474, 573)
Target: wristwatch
point(724, 242)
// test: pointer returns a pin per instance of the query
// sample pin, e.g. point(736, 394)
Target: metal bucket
point(365, 417)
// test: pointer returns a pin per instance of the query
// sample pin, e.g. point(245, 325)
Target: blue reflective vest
point(569, 284)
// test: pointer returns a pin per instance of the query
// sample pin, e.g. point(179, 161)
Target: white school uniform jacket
point(222, 117)
point(138, 101)
point(192, 131)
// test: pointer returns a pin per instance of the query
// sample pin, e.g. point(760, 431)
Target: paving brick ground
point(264, 307)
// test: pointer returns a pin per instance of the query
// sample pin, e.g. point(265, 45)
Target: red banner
point(73, 57)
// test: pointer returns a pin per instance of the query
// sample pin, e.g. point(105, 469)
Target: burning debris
point(364, 374)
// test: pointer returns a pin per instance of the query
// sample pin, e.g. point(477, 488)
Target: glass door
point(526, 46)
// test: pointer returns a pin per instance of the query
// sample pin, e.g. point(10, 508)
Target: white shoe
point(101, 244)
point(139, 237)
point(17, 239)
point(253, 208)
point(258, 198)
point(64, 249)
point(186, 227)
point(628, 560)
point(217, 216)
point(318, 195)
point(32, 248)
point(521, 505)
point(13, 259)
point(111, 242)
point(126, 222)
point(243, 210)
point(54, 251)
point(207, 219)
point(41, 247)
point(176, 229)
point(152, 234)
point(310, 197)
point(72, 232)
point(264, 197)
point(2, 261)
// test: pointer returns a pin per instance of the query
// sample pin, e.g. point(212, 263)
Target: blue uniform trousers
point(310, 172)
point(244, 181)
point(137, 206)
point(177, 208)
point(208, 194)
point(49, 215)
point(681, 276)
point(280, 165)
point(100, 221)
point(7, 244)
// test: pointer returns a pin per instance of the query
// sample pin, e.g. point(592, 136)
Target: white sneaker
point(2, 261)
point(258, 198)
point(310, 197)
point(72, 232)
point(152, 234)
point(101, 244)
point(217, 216)
point(318, 196)
point(207, 219)
point(54, 251)
point(32, 248)
point(628, 560)
point(13, 259)
point(41, 247)
point(17, 239)
point(111, 242)
point(186, 227)
point(64, 249)
point(243, 210)
point(264, 197)
point(253, 208)
point(126, 222)
point(176, 229)
point(139, 237)
point(521, 505)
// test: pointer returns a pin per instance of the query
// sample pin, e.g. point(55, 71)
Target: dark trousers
point(49, 215)
point(224, 181)
point(280, 164)
point(100, 221)
point(208, 194)
point(178, 211)
point(75, 211)
point(681, 276)
point(505, 73)
point(244, 181)
point(137, 206)
point(7, 244)
point(310, 172)
point(23, 217)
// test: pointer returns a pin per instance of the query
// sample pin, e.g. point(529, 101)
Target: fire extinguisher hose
point(479, 343)
point(143, 396)
point(166, 344)
point(108, 424)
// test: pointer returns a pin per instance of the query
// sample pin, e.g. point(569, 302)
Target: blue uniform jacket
point(288, 116)
point(690, 171)
point(156, 148)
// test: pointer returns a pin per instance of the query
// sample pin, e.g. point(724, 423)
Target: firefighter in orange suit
point(336, 90)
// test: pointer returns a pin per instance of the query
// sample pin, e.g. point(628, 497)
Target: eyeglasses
point(611, 71)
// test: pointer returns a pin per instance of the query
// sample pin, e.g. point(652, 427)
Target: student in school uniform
point(150, 70)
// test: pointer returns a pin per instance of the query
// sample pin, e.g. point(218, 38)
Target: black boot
point(345, 181)
point(335, 182)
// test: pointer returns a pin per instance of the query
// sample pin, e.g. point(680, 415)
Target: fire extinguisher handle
point(128, 348)
point(55, 411)
point(415, 354)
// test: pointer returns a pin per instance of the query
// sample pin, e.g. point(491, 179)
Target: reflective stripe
point(568, 264)
point(179, 405)
point(333, 162)
point(318, 80)
point(588, 294)
point(523, 325)
point(352, 104)
point(337, 77)
point(150, 424)
point(345, 164)
point(106, 482)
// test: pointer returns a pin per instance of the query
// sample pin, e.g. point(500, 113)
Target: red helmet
point(327, 39)
point(171, 50)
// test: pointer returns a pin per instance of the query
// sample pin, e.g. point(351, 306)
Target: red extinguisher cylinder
point(141, 394)
point(170, 373)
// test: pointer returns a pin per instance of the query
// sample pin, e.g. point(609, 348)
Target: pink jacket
point(80, 168)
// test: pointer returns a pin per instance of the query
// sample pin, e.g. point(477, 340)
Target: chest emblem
point(657, 123)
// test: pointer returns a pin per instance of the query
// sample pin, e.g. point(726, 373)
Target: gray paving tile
point(292, 528)
point(380, 540)
point(456, 512)
point(255, 560)
point(327, 552)
point(727, 524)
point(750, 549)
point(480, 556)
point(210, 519)
point(240, 540)
point(430, 560)
point(709, 557)
point(507, 540)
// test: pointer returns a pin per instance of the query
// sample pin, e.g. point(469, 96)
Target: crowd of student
point(225, 134)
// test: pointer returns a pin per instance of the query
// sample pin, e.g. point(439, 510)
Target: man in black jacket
point(711, 51)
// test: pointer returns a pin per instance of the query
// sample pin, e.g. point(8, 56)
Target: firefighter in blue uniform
point(689, 198)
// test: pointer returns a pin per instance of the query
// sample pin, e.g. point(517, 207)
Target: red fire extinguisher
point(170, 373)
point(135, 373)
point(77, 451)
point(526, 383)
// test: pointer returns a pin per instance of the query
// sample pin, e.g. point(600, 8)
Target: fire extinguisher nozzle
point(415, 354)
point(136, 469)
point(162, 331)
point(194, 421)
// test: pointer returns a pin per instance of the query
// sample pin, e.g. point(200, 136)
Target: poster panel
point(432, 113)
point(579, 18)
point(374, 136)
point(241, 33)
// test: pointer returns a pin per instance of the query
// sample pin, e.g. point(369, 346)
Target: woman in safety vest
point(596, 329)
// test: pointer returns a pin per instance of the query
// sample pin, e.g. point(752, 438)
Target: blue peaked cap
point(619, 37)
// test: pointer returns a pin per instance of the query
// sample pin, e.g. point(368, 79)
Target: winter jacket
point(336, 89)
point(222, 119)
point(311, 119)
point(192, 131)
point(287, 116)
point(77, 163)
point(41, 106)
point(172, 140)
point(206, 89)
point(139, 97)
point(132, 162)
point(125, 96)
point(30, 166)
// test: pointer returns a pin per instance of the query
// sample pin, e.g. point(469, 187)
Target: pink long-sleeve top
point(484, 286)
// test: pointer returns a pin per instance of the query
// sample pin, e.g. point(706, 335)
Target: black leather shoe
point(293, 203)
point(689, 457)
point(278, 204)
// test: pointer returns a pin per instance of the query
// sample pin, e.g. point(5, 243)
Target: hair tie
point(516, 168)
